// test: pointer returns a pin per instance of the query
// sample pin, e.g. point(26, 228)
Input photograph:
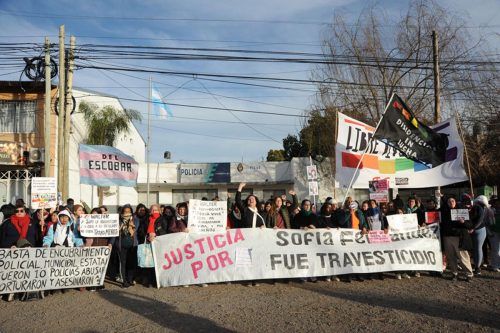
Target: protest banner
point(313, 188)
point(379, 190)
point(33, 269)
point(207, 216)
point(106, 166)
point(43, 192)
point(402, 222)
point(432, 217)
point(99, 225)
point(378, 236)
point(384, 161)
point(312, 172)
point(255, 254)
point(458, 214)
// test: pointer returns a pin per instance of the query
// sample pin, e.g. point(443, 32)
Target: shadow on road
point(424, 306)
point(161, 313)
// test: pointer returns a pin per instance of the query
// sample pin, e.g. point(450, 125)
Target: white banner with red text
point(256, 254)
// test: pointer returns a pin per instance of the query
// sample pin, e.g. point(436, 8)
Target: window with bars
point(17, 116)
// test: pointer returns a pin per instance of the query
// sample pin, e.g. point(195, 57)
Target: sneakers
point(477, 272)
point(398, 276)
point(405, 276)
point(125, 284)
point(454, 277)
point(336, 279)
point(203, 285)
point(328, 279)
point(417, 274)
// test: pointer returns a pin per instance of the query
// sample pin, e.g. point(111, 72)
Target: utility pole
point(46, 111)
point(60, 120)
point(437, 82)
point(67, 114)
point(148, 150)
point(437, 91)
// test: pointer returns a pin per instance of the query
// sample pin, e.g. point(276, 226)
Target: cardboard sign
point(99, 225)
point(458, 214)
point(402, 222)
point(313, 188)
point(379, 190)
point(33, 269)
point(378, 236)
point(255, 254)
point(432, 217)
point(43, 192)
point(312, 172)
point(207, 216)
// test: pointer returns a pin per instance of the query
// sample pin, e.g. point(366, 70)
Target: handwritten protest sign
point(458, 214)
point(99, 225)
point(32, 269)
point(43, 192)
point(207, 216)
point(432, 217)
point(255, 254)
point(402, 222)
point(378, 236)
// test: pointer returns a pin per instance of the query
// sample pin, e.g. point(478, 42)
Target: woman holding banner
point(250, 217)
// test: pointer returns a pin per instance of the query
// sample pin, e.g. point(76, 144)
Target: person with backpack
point(127, 245)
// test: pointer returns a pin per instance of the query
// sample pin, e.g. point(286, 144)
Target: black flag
point(400, 129)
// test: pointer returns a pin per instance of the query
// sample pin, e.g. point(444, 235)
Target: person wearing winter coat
point(250, 216)
point(63, 233)
point(234, 218)
point(127, 245)
point(19, 226)
point(456, 240)
point(278, 216)
point(142, 214)
point(414, 208)
point(180, 222)
point(478, 217)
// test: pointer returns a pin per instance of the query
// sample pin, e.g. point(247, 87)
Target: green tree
point(105, 125)
point(276, 155)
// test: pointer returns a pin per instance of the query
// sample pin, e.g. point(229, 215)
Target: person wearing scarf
point(413, 208)
point(279, 215)
point(19, 227)
point(142, 214)
point(180, 222)
point(306, 219)
point(127, 244)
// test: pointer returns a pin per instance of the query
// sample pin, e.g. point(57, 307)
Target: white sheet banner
point(32, 269)
point(99, 225)
point(383, 161)
point(254, 254)
point(207, 216)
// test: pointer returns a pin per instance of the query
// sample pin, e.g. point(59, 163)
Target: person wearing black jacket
point(306, 219)
point(250, 217)
point(456, 240)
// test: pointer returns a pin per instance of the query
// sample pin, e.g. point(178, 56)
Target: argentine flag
point(160, 108)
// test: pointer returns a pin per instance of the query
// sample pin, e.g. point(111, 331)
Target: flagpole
point(366, 149)
point(148, 141)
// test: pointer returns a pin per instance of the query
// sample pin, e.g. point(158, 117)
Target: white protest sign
point(457, 214)
point(43, 192)
point(99, 225)
point(255, 254)
point(313, 188)
point(207, 216)
point(32, 269)
point(312, 172)
point(402, 222)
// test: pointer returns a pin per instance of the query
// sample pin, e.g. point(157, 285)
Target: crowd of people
point(479, 235)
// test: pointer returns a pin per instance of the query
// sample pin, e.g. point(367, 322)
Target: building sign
point(11, 153)
point(205, 173)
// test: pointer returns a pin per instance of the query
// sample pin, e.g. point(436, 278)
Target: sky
point(270, 25)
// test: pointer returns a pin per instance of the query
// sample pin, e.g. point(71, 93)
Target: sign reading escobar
point(107, 166)
point(99, 225)
point(253, 254)
point(32, 269)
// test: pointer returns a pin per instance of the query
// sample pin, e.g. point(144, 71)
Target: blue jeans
point(478, 237)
